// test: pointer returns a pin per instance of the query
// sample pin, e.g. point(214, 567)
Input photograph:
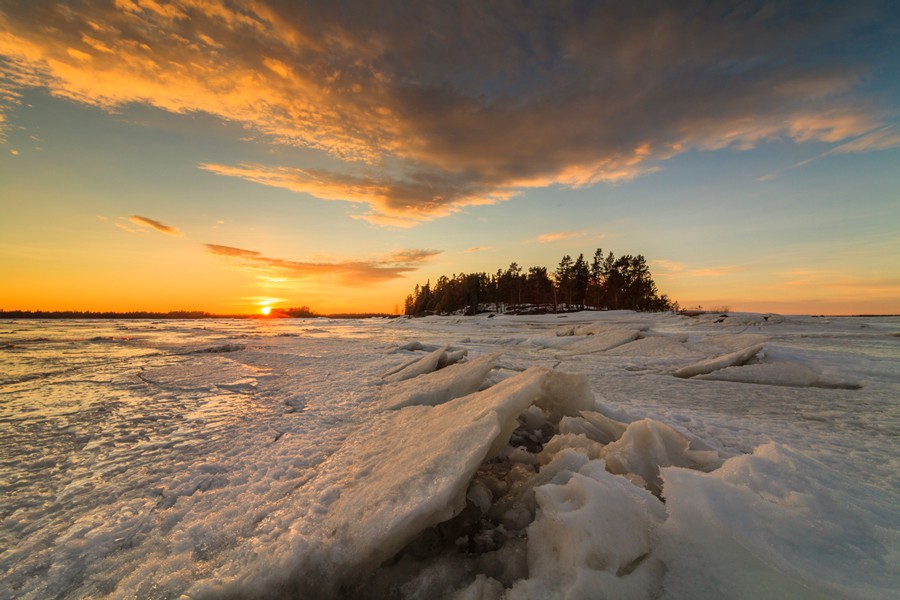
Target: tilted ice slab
point(409, 470)
point(777, 365)
point(731, 359)
point(432, 361)
point(604, 340)
point(765, 364)
point(440, 386)
point(664, 347)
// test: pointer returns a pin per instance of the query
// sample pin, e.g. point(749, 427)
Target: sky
point(229, 156)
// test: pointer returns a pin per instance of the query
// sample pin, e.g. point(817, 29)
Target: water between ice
point(589, 455)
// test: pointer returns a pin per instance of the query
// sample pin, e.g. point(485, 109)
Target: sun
point(266, 310)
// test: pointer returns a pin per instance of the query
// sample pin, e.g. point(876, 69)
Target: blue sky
point(195, 155)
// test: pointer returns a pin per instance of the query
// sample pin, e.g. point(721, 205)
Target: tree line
point(87, 314)
point(606, 282)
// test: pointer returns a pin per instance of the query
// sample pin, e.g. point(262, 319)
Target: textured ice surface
point(259, 459)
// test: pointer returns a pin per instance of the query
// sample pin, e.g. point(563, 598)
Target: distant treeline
point(606, 282)
point(303, 312)
point(139, 314)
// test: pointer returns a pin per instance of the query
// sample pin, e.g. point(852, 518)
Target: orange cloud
point(464, 107)
point(560, 235)
point(371, 271)
point(716, 271)
point(670, 267)
point(400, 202)
point(154, 224)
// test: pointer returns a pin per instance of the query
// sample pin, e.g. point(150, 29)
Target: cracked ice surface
point(517, 457)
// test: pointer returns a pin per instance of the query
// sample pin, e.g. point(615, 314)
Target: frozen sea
point(585, 455)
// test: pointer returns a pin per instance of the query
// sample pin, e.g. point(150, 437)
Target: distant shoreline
point(199, 315)
point(172, 315)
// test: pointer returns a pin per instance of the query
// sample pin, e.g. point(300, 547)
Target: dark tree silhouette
point(605, 283)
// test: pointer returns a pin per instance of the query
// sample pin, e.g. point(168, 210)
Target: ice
point(604, 340)
point(753, 522)
point(436, 359)
point(592, 538)
point(440, 386)
point(663, 347)
point(777, 366)
point(413, 472)
point(647, 445)
point(736, 358)
point(483, 588)
point(141, 464)
point(594, 425)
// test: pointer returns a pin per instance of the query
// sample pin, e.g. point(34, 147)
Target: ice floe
point(371, 459)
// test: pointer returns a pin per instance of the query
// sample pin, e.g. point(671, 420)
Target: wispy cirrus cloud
point(546, 238)
point(477, 249)
point(667, 267)
point(839, 284)
point(385, 268)
point(880, 138)
point(154, 224)
point(458, 104)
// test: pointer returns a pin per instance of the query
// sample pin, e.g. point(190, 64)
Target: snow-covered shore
point(588, 455)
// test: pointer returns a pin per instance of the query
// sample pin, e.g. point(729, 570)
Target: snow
point(554, 456)
point(764, 512)
point(593, 538)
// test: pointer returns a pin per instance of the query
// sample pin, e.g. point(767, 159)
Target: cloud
point(669, 268)
point(431, 108)
point(401, 202)
point(716, 271)
point(840, 284)
point(386, 268)
point(560, 235)
point(881, 138)
point(154, 224)
point(478, 249)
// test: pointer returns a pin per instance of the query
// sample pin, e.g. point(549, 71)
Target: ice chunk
point(594, 425)
point(663, 347)
point(607, 429)
point(597, 329)
point(516, 508)
point(483, 588)
point(731, 359)
point(592, 538)
point(786, 373)
point(426, 364)
point(564, 394)
point(775, 524)
point(604, 340)
point(648, 445)
point(413, 471)
point(452, 357)
point(571, 441)
point(440, 386)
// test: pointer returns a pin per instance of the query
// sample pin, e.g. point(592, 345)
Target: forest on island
point(604, 283)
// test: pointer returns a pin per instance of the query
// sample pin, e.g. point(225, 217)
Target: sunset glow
point(200, 154)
